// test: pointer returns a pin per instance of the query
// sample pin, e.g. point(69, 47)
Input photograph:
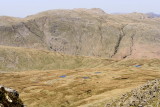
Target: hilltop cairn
point(9, 98)
point(148, 95)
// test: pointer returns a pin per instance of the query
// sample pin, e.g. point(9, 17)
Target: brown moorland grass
point(81, 87)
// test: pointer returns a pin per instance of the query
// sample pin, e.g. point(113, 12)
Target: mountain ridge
point(86, 32)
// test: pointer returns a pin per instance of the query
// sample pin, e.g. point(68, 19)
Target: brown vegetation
point(80, 87)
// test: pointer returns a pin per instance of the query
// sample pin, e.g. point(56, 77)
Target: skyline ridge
point(19, 8)
point(147, 13)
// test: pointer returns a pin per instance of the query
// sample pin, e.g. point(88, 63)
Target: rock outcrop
point(147, 95)
point(9, 98)
point(88, 32)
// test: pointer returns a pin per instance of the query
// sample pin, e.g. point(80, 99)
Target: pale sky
point(23, 8)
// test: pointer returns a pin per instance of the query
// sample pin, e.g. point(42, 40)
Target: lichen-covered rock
point(148, 95)
point(9, 98)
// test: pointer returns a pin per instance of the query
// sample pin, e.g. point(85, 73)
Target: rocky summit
point(85, 32)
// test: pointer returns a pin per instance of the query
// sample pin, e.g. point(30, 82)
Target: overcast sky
point(23, 8)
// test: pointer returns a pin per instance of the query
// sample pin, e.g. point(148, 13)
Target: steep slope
point(88, 32)
point(22, 59)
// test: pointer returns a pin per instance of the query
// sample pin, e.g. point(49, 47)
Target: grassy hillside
point(22, 59)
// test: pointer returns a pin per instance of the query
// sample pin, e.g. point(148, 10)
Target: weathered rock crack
point(30, 29)
point(15, 31)
point(121, 35)
point(131, 46)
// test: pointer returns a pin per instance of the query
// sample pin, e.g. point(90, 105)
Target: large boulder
point(9, 98)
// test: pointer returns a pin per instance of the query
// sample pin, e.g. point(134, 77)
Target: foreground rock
point(147, 95)
point(9, 98)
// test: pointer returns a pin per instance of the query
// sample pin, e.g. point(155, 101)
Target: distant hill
point(153, 15)
point(86, 32)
